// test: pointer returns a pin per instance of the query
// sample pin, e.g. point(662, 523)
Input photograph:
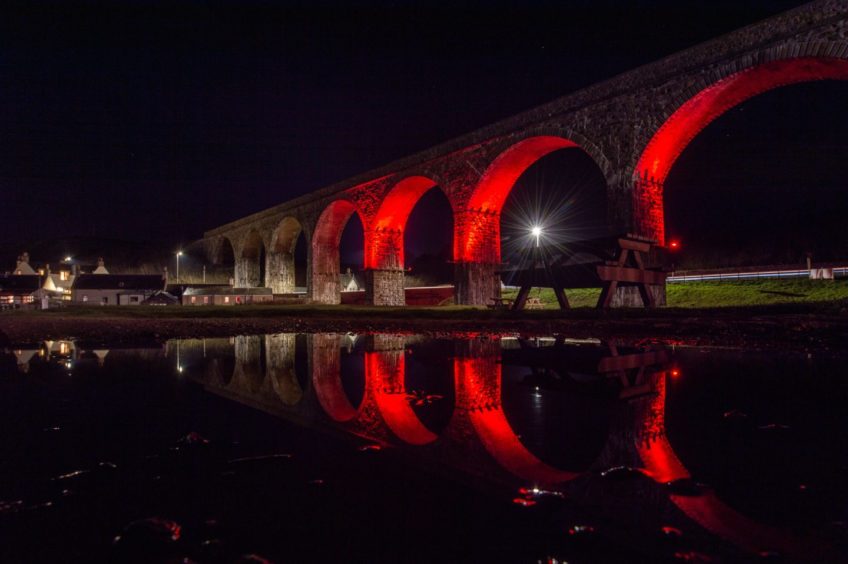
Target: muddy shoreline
point(806, 332)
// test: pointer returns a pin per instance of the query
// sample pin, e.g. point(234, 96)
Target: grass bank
point(719, 294)
point(700, 299)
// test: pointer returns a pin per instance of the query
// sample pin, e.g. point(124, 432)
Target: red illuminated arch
point(331, 223)
point(478, 382)
point(325, 250)
point(700, 110)
point(384, 243)
point(478, 239)
point(385, 372)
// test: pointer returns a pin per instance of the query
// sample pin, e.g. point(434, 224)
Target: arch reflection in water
point(257, 369)
point(485, 434)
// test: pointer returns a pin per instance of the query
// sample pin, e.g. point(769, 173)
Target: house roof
point(20, 284)
point(347, 277)
point(226, 291)
point(162, 297)
point(119, 282)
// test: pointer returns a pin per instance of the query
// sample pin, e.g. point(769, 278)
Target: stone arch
point(222, 260)
point(222, 251)
point(384, 240)
point(477, 248)
point(280, 275)
point(250, 262)
point(693, 112)
point(325, 271)
point(384, 246)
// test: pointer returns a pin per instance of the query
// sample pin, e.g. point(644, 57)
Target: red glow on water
point(706, 509)
point(326, 378)
point(478, 382)
point(385, 371)
point(699, 111)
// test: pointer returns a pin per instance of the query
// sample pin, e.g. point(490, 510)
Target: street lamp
point(179, 254)
point(536, 231)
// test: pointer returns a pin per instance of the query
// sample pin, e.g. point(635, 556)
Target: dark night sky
point(140, 121)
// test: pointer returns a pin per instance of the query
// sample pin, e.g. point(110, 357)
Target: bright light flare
point(536, 231)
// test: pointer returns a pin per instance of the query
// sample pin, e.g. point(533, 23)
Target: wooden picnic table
point(608, 263)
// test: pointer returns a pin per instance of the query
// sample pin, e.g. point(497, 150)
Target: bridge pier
point(250, 363)
point(384, 287)
point(475, 283)
point(247, 272)
point(280, 273)
point(280, 353)
point(326, 288)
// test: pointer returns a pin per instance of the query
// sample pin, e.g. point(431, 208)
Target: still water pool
point(402, 448)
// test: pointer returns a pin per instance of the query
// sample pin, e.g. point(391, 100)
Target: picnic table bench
point(608, 263)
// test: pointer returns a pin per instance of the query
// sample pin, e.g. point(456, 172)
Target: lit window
point(226, 299)
point(194, 299)
point(63, 275)
point(206, 299)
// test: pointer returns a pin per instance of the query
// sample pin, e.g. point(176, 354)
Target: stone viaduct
point(634, 126)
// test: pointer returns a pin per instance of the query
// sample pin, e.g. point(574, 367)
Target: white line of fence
point(801, 273)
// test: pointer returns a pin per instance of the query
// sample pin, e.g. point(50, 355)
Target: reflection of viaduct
point(479, 431)
point(633, 126)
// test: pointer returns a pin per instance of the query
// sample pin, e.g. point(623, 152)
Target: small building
point(59, 283)
point(226, 295)
point(20, 289)
point(116, 289)
point(349, 283)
